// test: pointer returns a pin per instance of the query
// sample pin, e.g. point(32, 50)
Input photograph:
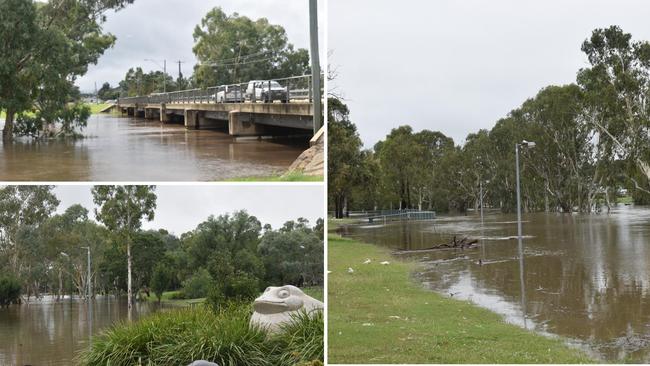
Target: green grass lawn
point(168, 300)
point(625, 200)
point(96, 108)
point(292, 177)
point(378, 314)
point(333, 224)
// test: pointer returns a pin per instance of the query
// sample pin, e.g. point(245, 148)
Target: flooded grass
point(379, 314)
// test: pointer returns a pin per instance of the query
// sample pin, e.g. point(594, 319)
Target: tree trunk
point(129, 292)
point(8, 130)
point(338, 206)
point(546, 189)
point(60, 295)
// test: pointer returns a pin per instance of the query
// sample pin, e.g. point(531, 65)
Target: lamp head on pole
point(529, 144)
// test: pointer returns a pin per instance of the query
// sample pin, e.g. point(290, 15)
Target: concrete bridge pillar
point(240, 124)
point(148, 113)
point(191, 119)
point(164, 118)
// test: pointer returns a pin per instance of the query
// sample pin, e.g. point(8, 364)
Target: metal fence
point(402, 215)
point(285, 90)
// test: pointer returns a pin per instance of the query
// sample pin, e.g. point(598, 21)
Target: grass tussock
point(181, 336)
point(378, 314)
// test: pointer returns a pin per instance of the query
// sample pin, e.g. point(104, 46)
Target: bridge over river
point(241, 109)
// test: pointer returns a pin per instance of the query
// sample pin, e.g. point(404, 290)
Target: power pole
point(164, 76)
point(180, 74)
point(315, 63)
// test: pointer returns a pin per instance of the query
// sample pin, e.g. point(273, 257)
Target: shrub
point(239, 287)
point(198, 285)
point(181, 336)
point(160, 280)
point(177, 295)
point(9, 290)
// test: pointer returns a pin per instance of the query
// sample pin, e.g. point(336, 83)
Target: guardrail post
point(310, 89)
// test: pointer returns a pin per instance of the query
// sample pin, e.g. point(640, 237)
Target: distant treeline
point(593, 145)
point(230, 256)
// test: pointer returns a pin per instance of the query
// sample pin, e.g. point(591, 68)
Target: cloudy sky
point(182, 208)
point(162, 29)
point(459, 65)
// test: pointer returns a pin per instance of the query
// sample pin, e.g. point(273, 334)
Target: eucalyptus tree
point(21, 206)
point(122, 209)
point(398, 157)
point(344, 156)
point(44, 47)
point(432, 148)
point(18, 36)
point(66, 237)
point(292, 255)
point(617, 85)
point(234, 48)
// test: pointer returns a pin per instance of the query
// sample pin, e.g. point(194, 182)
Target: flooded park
point(125, 148)
point(586, 276)
point(50, 332)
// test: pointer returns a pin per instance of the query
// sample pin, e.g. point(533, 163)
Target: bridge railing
point(286, 90)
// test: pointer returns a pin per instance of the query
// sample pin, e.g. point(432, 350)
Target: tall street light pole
point(525, 144)
point(315, 63)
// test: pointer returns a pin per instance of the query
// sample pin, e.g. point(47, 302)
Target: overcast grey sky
point(459, 65)
point(182, 208)
point(162, 29)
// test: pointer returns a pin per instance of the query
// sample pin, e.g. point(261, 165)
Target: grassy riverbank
point(291, 177)
point(378, 314)
point(170, 298)
point(94, 109)
point(97, 108)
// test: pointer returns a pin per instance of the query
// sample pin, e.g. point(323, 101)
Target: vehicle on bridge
point(266, 91)
point(230, 94)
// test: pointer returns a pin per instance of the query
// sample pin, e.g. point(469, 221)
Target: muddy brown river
point(47, 332)
point(129, 149)
point(586, 277)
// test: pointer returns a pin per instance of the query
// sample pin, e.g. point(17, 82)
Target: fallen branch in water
point(465, 242)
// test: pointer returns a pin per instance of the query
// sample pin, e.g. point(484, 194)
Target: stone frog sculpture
point(277, 305)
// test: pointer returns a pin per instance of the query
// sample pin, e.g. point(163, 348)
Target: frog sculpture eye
point(283, 294)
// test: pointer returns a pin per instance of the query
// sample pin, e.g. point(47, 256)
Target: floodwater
point(51, 333)
point(586, 277)
point(130, 149)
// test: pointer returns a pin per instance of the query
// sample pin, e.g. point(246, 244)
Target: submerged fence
point(402, 215)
